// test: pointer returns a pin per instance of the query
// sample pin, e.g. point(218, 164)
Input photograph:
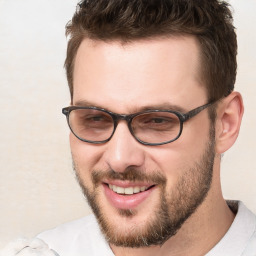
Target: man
point(152, 111)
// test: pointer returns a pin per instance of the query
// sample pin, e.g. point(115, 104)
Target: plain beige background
point(37, 186)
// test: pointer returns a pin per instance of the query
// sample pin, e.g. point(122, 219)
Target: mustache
point(129, 174)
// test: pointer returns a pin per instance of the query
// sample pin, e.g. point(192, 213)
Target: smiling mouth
point(129, 190)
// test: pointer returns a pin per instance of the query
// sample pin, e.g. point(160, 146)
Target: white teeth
point(143, 188)
point(119, 190)
point(136, 190)
point(127, 191)
point(114, 188)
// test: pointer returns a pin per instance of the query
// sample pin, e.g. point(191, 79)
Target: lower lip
point(126, 201)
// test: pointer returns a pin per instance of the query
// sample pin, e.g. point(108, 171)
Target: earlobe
point(228, 121)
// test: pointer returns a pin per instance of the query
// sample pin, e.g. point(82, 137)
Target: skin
point(124, 78)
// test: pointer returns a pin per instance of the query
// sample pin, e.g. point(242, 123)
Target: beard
point(174, 206)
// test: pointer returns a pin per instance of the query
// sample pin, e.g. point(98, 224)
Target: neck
point(198, 235)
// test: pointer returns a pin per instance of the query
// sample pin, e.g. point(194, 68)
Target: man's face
point(165, 183)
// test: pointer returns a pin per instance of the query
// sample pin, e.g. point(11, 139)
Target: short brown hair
point(210, 21)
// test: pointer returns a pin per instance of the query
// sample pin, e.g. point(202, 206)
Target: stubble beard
point(173, 209)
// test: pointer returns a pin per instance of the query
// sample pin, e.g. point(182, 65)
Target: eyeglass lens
point(150, 127)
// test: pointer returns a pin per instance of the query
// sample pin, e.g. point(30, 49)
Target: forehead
point(122, 76)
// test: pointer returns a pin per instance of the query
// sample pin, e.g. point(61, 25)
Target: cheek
point(176, 158)
point(85, 155)
point(195, 137)
point(168, 159)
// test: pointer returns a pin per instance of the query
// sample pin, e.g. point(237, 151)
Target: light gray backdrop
point(37, 185)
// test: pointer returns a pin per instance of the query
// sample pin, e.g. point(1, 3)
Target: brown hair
point(126, 20)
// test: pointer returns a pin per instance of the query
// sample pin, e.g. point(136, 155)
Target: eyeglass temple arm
point(196, 111)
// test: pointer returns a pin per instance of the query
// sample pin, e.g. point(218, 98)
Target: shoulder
point(241, 236)
point(249, 220)
point(88, 222)
point(76, 238)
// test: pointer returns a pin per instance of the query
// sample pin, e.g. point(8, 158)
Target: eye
point(96, 118)
point(90, 119)
point(158, 120)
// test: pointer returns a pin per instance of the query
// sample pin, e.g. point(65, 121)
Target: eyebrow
point(161, 106)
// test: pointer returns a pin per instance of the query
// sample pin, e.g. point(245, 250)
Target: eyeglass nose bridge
point(119, 117)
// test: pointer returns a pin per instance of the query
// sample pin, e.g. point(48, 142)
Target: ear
point(229, 116)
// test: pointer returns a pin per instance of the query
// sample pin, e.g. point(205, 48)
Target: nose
point(123, 151)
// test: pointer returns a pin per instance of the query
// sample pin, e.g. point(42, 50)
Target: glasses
point(151, 127)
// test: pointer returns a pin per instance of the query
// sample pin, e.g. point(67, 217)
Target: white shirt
point(83, 237)
point(240, 239)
